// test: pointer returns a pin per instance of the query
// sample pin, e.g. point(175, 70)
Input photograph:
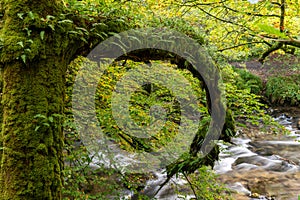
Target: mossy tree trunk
point(34, 62)
point(32, 146)
point(38, 39)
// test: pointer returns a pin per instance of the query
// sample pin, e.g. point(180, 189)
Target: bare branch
point(249, 13)
point(193, 3)
point(223, 20)
point(275, 47)
point(291, 41)
point(239, 45)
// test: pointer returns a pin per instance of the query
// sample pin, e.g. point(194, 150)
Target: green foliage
point(141, 101)
point(244, 104)
point(246, 80)
point(86, 181)
point(271, 30)
point(240, 86)
point(284, 90)
point(45, 121)
point(205, 186)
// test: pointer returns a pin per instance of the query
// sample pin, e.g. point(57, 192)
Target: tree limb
point(249, 13)
point(270, 50)
point(239, 45)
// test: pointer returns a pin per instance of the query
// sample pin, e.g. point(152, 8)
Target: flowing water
point(266, 167)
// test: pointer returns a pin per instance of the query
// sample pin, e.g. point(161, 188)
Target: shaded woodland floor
point(274, 65)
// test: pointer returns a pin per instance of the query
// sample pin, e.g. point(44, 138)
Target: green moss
point(32, 159)
point(42, 148)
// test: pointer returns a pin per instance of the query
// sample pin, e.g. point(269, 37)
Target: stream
point(266, 167)
point(263, 167)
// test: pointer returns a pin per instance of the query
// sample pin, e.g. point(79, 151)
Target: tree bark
point(32, 100)
point(32, 162)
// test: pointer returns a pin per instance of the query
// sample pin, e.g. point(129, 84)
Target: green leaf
point(21, 44)
point(52, 27)
point(82, 29)
point(23, 58)
point(271, 30)
point(20, 15)
point(30, 41)
point(57, 115)
point(50, 119)
point(36, 128)
point(65, 21)
point(73, 32)
point(49, 17)
point(46, 124)
point(40, 116)
point(30, 14)
point(42, 35)
point(28, 31)
point(103, 35)
point(100, 36)
point(115, 34)
point(84, 40)
point(99, 24)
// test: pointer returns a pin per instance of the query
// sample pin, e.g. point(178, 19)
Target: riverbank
point(263, 164)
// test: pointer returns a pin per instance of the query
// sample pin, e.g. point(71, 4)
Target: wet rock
point(239, 188)
point(255, 195)
point(268, 165)
point(298, 123)
point(282, 185)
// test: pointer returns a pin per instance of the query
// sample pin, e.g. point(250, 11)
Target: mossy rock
point(284, 90)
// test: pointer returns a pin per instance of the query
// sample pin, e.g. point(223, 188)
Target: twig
point(191, 185)
point(232, 47)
